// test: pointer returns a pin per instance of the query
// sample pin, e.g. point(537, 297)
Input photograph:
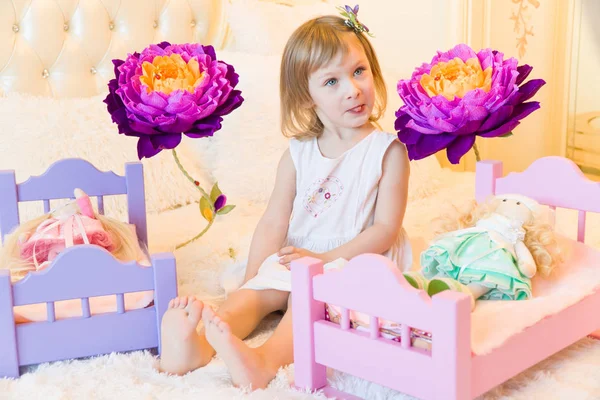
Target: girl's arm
point(389, 209)
point(271, 230)
point(389, 213)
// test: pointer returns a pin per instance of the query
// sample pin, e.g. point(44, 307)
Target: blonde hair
point(124, 239)
point(311, 46)
point(540, 238)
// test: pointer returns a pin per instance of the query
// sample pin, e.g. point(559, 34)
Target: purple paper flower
point(170, 90)
point(460, 95)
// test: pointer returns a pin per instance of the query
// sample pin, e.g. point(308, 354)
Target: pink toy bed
point(93, 303)
point(468, 353)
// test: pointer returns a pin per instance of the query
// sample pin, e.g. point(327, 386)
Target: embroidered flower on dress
point(321, 195)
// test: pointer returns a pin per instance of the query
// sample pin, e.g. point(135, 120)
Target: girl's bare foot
point(247, 366)
point(181, 345)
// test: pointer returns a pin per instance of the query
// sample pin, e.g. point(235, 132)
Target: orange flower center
point(455, 78)
point(169, 73)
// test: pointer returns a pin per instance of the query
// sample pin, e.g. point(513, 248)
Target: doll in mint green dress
point(494, 258)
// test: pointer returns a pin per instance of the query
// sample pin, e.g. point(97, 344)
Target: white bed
point(54, 65)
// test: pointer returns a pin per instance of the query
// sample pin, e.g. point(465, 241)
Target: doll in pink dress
point(36, 243)
point(72, 224)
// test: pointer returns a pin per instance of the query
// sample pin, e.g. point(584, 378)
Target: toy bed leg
point(485, 178)
point(165, 286)
point(308, 374)
point(9, 361)
point(452, 347)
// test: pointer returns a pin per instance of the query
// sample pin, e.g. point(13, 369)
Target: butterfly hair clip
point(352, 19)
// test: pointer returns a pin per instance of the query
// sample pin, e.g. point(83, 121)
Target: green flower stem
point(189, 178)
point(476, 150)
point(204, 194)
point(197, 236)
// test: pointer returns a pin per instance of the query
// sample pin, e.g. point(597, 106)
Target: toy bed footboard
point(373, 285)
point(83, 272)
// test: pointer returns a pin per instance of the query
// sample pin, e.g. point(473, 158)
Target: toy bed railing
point(372, 284)
point(81, 272)
point(319, 343)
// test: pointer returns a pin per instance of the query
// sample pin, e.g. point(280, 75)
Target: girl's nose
point(353, 91)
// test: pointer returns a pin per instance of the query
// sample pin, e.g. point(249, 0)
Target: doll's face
point(514, 209)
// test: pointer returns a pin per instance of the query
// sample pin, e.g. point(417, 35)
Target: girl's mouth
point(358, 109)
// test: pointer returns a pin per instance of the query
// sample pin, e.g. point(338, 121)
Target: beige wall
point(587, 67)
point(412, 31)
point(409, 32)
point(501, 24)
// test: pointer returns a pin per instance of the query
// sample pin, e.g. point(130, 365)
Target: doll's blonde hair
point(540, 238)
point(312, 45)
point(124, 238)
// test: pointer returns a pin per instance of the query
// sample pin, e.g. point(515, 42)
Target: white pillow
point(264, 28)
point(244, 155)
point(37, 131)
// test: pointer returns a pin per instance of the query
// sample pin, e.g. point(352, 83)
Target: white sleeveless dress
point(335, 201)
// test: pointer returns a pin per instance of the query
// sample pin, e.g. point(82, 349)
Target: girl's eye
point(359, 71)
point(331, 82)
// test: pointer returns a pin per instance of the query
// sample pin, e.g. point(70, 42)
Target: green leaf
point(206, 209)
point(225, 209)
point(508, 134)
point(215, 192)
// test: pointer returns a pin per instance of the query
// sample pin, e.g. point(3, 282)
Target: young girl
point(340, 191)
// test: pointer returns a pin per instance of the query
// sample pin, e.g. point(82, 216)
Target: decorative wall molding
point(521, 17)
point(547, 47)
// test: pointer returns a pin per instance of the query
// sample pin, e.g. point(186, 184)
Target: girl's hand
point(290, 253)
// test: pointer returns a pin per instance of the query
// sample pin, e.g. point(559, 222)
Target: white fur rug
point(572, 374)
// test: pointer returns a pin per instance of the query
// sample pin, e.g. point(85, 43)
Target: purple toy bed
point(81, 272)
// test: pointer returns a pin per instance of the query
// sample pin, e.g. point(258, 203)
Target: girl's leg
point(183, 349)
point(254, 367)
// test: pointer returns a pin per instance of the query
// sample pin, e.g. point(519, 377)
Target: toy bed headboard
point(552, 181)
point(64, 48)
point(59, 181)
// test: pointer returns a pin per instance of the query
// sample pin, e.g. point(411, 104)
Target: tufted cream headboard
point(64, 48)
